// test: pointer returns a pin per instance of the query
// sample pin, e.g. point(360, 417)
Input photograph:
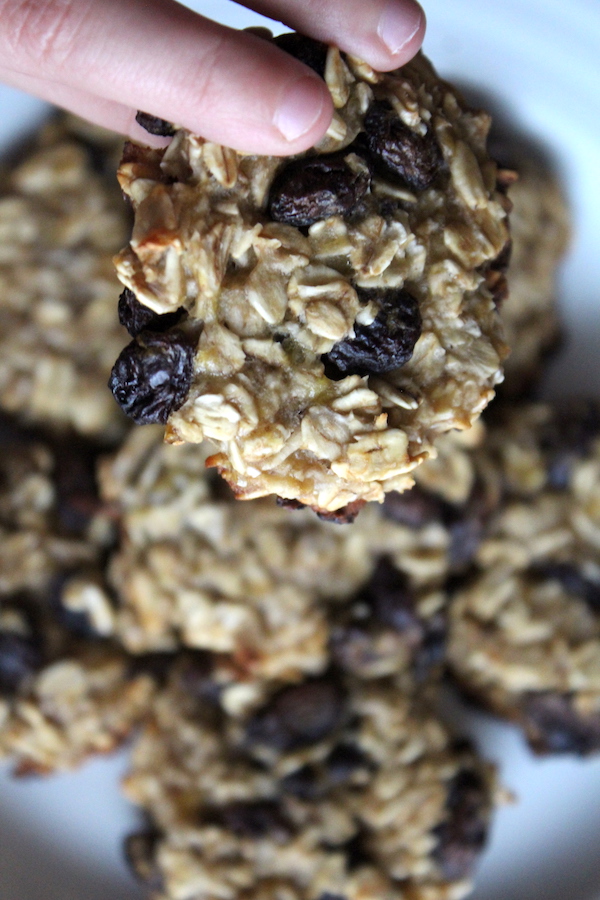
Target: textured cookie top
point(64, 692)
point(330, 789)
point(333, 317)
point(525, 633)
point(61, 220)
point(47, 502)
point(275, 594)
point(540, 227)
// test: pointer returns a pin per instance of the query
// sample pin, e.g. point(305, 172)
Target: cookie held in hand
point(334, 315)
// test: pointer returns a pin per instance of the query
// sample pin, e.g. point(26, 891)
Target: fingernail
point(399, 23)
point(300, 108)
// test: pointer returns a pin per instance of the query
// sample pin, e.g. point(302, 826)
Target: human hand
point(105, 59)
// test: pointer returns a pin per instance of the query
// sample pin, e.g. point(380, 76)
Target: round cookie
point(332, 788)
point(64, 692)
point(62, 218)
point(524, 633)
point(333, 315)
point(540, 226)
point(275, 592)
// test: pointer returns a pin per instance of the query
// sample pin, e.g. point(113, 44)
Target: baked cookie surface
point(62, 218)
point(273, 592)
point(66, 691)
point(540, 227)
point(332, 312)
point(524, 633)
point(329, 789)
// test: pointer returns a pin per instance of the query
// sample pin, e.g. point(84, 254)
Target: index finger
point(385, 33)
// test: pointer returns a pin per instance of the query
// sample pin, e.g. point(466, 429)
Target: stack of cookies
point(325, 329)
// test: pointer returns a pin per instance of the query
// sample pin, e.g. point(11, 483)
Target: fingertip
point(303, 114)
point(401, 30)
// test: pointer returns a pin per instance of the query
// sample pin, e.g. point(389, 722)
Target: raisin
point(432, 651)
point(308, 51)
point(140, 851)
point(298, 716)
point(303, 783)
point(316, 187)
point(414, 508)
point(553, 725)
point(152, 376)
point(156, 664)
point(20, 657)
point(345, 515)
point(390, 600)
point(195, 676)
point(398, 151)
point(386, 344)
point(462, 836)
point(154, 124)
point(255, 819)
point(567, 437)
point(136, 317)
point(75, 480)
point(466, 524)
point(343, 761)
point(289, 503)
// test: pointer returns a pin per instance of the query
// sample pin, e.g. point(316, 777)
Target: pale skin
point(105, 59)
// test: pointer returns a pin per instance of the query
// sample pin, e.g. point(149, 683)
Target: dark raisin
point(398, 151)
point(136, 317)
point(156, 664)
point(303, 783)
point(466, 524)
point(140, 851)
point(310, 52)
point(573, 581)
point(465, 537)
point(414, 508)
point(345, 515)
point(386, 344)
point(432, 651)
point(298, 716)
point(567, 437)
point(75, 480)
point(343, 761)
point(256, 819)
point(462, 836)
point(553, 725)
point(391, 601)
point(357, 850)
point(316, 187)
point(195, 676)
point(289, 503)
point(152, 376)
point(20, 657)
point(154, 125)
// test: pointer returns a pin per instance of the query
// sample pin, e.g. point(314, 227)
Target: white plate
point(540, 59)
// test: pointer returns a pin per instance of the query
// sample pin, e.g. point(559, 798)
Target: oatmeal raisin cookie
point(525, 631)
point(331, 788)
point(332, 317)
